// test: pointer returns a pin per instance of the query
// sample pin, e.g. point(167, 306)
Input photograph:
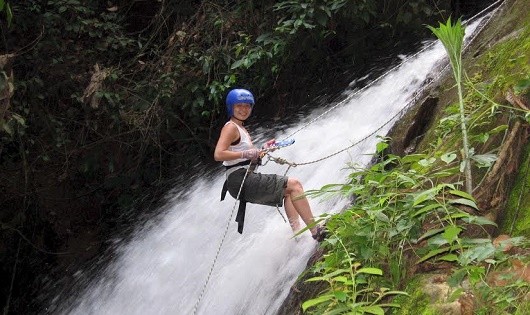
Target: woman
point(238, 153)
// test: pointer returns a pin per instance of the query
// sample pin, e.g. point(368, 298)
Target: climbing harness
point(240, 216)
point(293, 164)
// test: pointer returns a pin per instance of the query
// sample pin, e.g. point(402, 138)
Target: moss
point(523, 309)
point(517, 218)
point(416, 303)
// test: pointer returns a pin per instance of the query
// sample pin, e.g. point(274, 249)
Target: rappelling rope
point(282, 161)
point(292, 164)
point(399, 65)
point(195, 308)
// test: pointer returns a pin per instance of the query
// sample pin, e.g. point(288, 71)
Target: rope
point(195, 308)
point(279, 160)
point(282, 161)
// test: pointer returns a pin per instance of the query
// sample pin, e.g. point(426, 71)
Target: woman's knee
point(294, 185)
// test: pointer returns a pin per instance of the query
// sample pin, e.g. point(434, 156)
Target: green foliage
point(394, 199)
point(411, 210)
point(5, 7)
point(517, 220)
point(452, 37)
point(306, 14)
point(347, 294)
point(505, 299)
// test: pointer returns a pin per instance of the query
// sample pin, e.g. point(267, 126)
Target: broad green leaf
point(335, 273)
point(430, 233)
point(498, 129)
point(321, 299)
point(412, 158)
point(341, 295)
point(342, 279)
point(435, 252)
point(425, 209)
point(479, 220)
point(461, 194)
point(448, 157)
point(449, 257)
point(437, 241)
point(370, 270)
point(425, 195)
point(405, 179)
point(484, 160)
point(237, 64)
point(451, 233)
point(477, 254)
point(373, 309)
point(381, 146)
point(381, 216)
point(427, 162)
point(465, 202)
point(456, 278)
point(6, 128)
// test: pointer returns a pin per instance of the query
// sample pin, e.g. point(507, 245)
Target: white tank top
point(244, 143)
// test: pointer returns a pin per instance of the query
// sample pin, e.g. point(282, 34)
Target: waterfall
point(164, 267)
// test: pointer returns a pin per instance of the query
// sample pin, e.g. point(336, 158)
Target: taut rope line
point(395, 67)
point(279, 160)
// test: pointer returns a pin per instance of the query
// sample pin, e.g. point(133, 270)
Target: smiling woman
point(240, 158)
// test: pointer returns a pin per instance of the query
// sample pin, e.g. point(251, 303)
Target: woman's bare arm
point(229, 134)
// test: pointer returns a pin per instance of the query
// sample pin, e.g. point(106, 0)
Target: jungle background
point(104, 103)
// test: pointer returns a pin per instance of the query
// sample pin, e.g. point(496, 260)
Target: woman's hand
point(269, 145)
point(251, 154)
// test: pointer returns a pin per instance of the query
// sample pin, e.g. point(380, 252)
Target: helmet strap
point(242, 121)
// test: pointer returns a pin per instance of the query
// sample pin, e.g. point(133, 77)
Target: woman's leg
point(292, 214)
point(295, 193)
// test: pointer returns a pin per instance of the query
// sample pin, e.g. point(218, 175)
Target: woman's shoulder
point(231, 129)
point(230, 125)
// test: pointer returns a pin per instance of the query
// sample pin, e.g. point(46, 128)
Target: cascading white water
point(164, 268)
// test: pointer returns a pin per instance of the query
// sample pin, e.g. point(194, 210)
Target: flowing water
point(164, 268)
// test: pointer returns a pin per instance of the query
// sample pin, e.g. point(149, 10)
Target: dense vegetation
point(103, 100)
point(413, 216)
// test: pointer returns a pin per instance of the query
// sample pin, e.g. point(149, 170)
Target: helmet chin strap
point(242, 121)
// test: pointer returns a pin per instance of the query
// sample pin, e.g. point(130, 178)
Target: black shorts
point(263, 189)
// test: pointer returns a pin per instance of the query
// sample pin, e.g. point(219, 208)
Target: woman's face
point(242, 110)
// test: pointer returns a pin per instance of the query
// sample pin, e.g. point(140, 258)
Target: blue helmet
point(236, 96)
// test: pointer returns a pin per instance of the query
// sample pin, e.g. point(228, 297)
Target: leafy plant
point(402, 204)
point(350, 291)
point(5, 7)
point(306, 14)
point(452, 37)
